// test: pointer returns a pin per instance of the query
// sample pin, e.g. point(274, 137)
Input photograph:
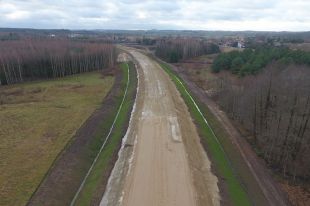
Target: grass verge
point(94, 185)
point(37, 120)
point(223, 166)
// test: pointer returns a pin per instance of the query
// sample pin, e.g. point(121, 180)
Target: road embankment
point(248, 171)
point(65, 177)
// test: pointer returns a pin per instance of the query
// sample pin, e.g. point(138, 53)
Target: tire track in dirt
point(169, 166)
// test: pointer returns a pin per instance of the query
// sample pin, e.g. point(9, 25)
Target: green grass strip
point(236, 192)
point(102, 161)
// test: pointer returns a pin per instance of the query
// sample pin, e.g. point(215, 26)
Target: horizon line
point(110, 29)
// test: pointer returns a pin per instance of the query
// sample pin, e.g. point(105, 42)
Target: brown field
point(229, 49)
point(199, 71)
point(302, 46)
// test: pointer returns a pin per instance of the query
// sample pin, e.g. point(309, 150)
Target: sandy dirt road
point(167, 164)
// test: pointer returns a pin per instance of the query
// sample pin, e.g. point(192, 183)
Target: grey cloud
point(174, 14)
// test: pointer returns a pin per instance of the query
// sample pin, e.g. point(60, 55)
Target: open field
point(229, 49)
point(67, 182)
point(38, 119)
point(199, 70)
point(300, 46)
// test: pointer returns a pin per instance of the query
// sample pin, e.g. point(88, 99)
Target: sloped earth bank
point(252, 172)
point(162, 161)
point(64, 178)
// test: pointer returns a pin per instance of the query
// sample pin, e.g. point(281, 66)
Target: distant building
point(74, 35)
point(240, 45)
point(52, 35)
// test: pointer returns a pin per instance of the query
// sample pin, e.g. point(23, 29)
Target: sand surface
point(163, 162)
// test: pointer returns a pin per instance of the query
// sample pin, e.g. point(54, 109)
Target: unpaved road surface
point(163, 162)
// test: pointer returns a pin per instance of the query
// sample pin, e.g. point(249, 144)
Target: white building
point(240, 44)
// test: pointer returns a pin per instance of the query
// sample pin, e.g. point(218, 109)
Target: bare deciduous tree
point(275, 108)
point(28, 59)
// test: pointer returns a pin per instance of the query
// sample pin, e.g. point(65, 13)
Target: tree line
point(250, 61)
point(146, 41)
point(30, 59)
point(274, 107)
point(176, 49)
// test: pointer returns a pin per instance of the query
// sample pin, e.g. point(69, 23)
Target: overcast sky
point(272, 15)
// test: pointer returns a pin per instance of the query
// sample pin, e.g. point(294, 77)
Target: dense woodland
point(252, 61)
point(174, 50)
point(274, 106)
point(30, 59)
